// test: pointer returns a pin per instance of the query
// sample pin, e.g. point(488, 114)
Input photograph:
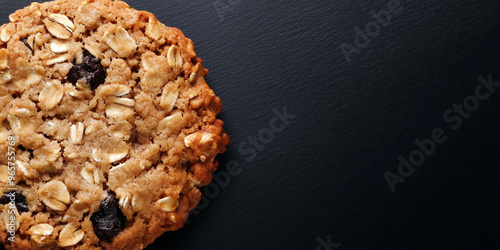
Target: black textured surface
point(321, 177)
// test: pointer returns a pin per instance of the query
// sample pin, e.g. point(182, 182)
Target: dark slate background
point(323, 175)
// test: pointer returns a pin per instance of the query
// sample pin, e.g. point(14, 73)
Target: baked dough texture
point(113, 126)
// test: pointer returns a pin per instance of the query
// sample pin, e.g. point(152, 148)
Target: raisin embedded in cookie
point(113, 127)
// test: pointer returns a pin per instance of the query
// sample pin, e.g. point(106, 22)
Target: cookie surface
point(108, 128)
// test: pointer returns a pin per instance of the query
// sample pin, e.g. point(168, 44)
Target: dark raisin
point(109, 221)
point(25, 41)
point(19, 200)
point(90, 69)
point(185, 163)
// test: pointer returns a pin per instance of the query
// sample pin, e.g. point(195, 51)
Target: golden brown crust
point(149, 133)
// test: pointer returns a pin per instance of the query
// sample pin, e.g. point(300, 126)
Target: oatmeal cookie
point(107, 127)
